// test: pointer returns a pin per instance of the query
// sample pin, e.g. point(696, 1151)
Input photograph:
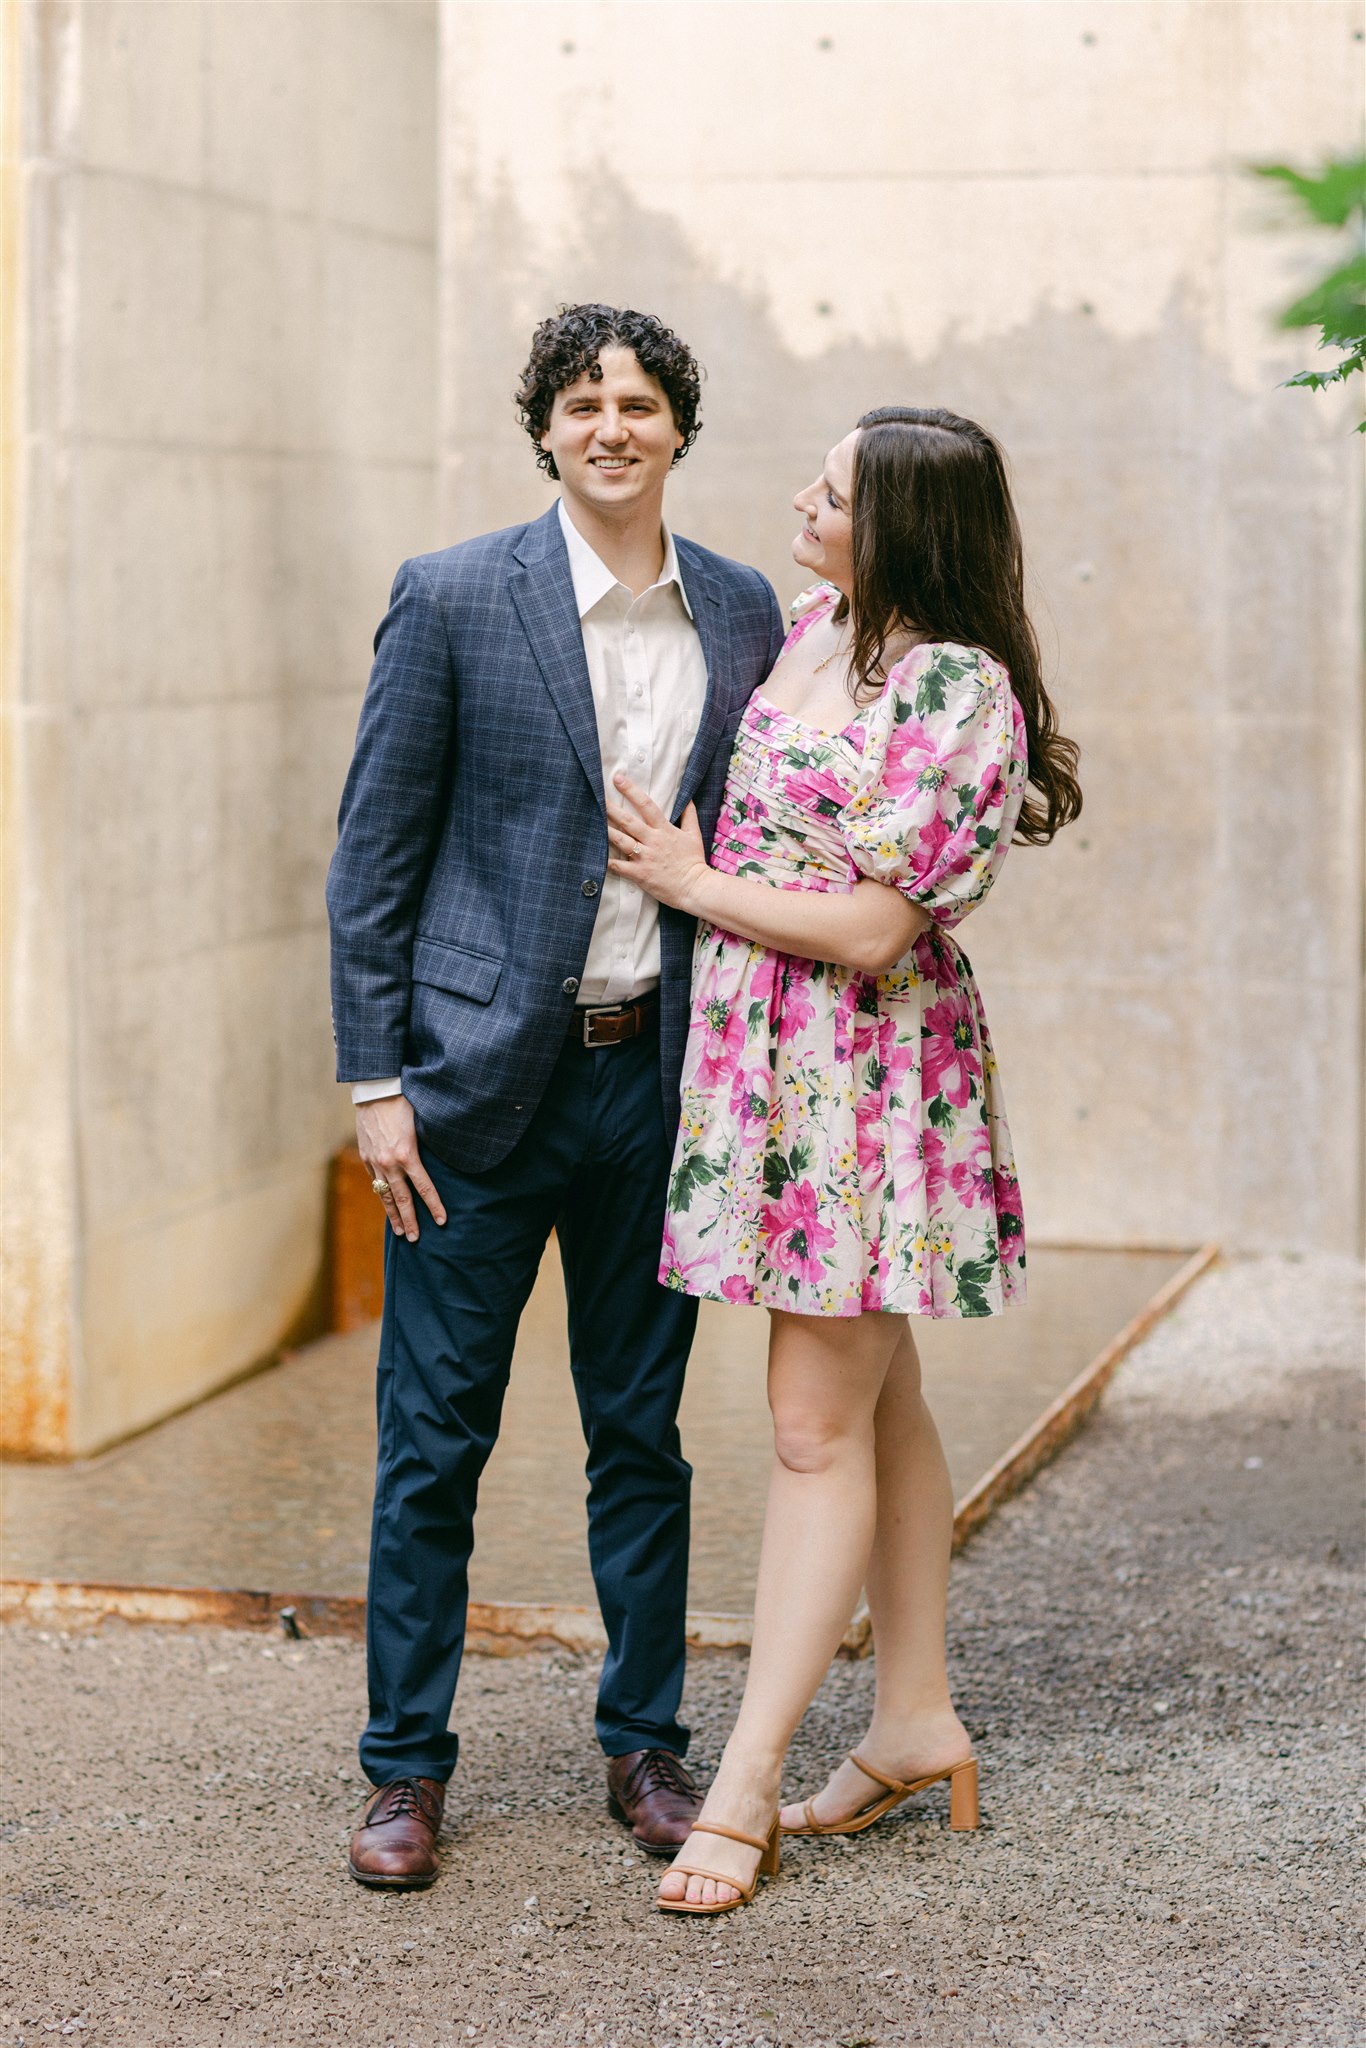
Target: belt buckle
point(590, 1018)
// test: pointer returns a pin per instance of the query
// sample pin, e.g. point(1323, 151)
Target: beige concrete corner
point(219, 442)
point(37, 1208)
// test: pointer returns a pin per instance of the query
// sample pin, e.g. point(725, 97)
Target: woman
point(843, 1155)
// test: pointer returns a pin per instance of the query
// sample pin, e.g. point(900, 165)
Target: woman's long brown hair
point(936, 547)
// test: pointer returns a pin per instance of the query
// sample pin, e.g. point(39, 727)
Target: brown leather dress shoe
point(395, 1845)
point(654, 1794)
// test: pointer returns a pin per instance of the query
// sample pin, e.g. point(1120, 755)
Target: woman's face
point(825, 542)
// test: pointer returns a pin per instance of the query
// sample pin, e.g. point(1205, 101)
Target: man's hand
point(387, 1137)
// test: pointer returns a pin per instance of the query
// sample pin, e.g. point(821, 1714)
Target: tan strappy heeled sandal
point(768, 1867)
point(963, 1808)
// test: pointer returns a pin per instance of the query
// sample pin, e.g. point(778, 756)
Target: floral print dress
point(843, 1144)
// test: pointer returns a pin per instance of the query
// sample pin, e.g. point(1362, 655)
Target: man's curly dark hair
point(570, 343)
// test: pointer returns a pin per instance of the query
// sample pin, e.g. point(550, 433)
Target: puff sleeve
point(942, 780)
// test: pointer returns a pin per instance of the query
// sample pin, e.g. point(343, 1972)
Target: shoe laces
point(659, 1770)
point(402, 1795)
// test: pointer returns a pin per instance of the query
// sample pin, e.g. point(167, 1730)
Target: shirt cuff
point(374, 1091)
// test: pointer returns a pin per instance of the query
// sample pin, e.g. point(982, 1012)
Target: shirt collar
point(592, 577)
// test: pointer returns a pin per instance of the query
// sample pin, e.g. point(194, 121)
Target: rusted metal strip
point(55, 1603)
point(494, 1629)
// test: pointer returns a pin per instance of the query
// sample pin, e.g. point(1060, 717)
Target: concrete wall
point(222, 443)
point(1035, 214)
point(224, 325)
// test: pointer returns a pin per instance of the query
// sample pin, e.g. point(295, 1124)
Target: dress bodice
point(787, 785)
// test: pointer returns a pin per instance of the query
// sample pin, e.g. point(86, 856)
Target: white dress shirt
point(649, 679)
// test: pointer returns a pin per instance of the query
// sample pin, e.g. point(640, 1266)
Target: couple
point(608, 830)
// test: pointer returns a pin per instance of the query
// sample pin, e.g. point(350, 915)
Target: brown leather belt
point(614, 1023)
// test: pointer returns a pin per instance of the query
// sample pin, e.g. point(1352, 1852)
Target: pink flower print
point(844, 1024)
point(900, 1063)
point(917, 1158)
point(749, 1093)
point(914, 760)
point(736, 1288)
point(674, 1271)
point(795, 1232)
point(933, 834)
point(933, 1147)
point(723, 1044)
point(817, 790)
point(896, 1060)
point(874, 1282)
point(937, 959)
point(871, 1135)
point(761, 979)
point(1009, 1216)
point(949, 1062)
point(740, 829)
point(972, 1180)
point(797, 1007)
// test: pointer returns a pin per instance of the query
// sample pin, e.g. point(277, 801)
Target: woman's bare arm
point(869, 929)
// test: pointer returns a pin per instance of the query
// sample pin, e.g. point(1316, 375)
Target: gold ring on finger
point(381, 1187)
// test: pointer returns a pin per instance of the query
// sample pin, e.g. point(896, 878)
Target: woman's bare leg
point(914, 1728)
point(824, 1379)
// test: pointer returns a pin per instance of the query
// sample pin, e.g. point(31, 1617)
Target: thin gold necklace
point(841, 649)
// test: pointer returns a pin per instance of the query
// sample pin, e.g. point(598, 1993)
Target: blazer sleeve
point(392, 811)
point(777, 628)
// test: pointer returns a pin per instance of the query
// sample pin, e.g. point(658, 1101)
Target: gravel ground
point(1157, 1648)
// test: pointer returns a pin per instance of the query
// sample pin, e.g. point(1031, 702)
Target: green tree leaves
point(1334, 198)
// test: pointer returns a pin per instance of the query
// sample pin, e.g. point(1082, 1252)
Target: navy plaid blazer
point(473, 831)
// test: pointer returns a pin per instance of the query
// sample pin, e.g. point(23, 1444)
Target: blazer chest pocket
point(458, 972)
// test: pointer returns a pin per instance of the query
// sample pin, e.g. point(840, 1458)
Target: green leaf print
point(776, 1174)
point(972, 1277)
point(941, 1114)
point(692, 1173)
point(799, 1159)
point(930, 695)
point(985, 835)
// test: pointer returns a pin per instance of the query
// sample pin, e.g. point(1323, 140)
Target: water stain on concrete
point(268, 1485)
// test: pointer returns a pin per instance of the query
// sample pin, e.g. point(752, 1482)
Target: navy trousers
point(594, 1165)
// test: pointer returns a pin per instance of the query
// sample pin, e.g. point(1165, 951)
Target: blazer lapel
point(543, 592)
point(713, 630)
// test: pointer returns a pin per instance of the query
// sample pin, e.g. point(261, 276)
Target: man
point(512, 1018)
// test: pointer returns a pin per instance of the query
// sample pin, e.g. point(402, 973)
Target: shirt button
point(589, 888)
point(570, 985)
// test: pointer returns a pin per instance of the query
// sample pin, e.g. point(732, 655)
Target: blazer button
point(589, 888)
point(570, 985)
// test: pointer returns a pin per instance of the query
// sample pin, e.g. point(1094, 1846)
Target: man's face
point(613, 436)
